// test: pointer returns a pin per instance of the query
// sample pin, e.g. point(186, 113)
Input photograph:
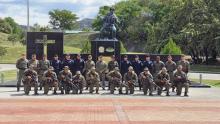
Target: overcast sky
point(39, 9)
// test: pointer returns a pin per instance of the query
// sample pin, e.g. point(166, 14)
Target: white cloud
point(38, 14)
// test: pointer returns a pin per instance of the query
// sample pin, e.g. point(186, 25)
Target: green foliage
point(193, 24)
point(123, 49)
point(171, 48)
point(5, 27)
point(86, 48)
point(15, 27)
point(13, 38)
point(63, 19)
point(3, 51)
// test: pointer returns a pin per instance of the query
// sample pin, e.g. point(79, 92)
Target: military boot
point(185, 94)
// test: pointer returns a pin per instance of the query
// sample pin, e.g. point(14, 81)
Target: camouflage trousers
point(28, 85)
point(65, 86)
point(20, 75)
point(147, 86)
point(40, 78)
point(166, 85)
point(113, 85)
point(49, 84)
point(92, 85)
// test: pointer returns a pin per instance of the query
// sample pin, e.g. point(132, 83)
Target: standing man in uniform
point(111, 66)
point(50, 80)
point(34, 62)
point(43, 66)
point(79, 64)
point(101, 69)
point(162, 80)
point(68, 62)
point(93, 78)
point(78, 83)
point(148, 64)
point(180, 79)
point(158, 65)
point(88, 65)
point(130, 79)
point(115, 80)
point(171, 67)
point(147, 81)
point(21, 65)
point(137, 65)
point(56, 64)
point(125, 64)
point(185, 64)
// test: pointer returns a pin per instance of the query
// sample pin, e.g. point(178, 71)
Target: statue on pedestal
point(108, 31)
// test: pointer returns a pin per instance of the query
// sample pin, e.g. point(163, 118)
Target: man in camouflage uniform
point(158, 65)
point(115, 80)
point(21, 65)
point(93, 78)
point(146, 80)
point(162, 81)
point(50, 80)
point(43, 66)
point(185, 64)
point(112, 64)
point(65, 78)
point(78, 83)
point(101, 69)
point(88, 65)
point(130, 80)
point(33, 62)
point(171, 67)
point(30, 79)
point(180, 79)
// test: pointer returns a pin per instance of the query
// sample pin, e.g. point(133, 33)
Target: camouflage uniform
point(30, 82)
point(157, 67)
point(88, 65)
point(146, 80)
point(93, 78)
point(50, 80)
point(181, 82)
point(130, 79)
point(21, 65)
point(185, 64)
point(65, 82)
point(171, 67)
point(162, 81)
point(112, 65)
point(78, 83)
point(34, 64)
point(115, 80)
point(42, 66)
point(101, 69)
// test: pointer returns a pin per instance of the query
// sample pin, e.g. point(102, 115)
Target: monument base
point(105, 47)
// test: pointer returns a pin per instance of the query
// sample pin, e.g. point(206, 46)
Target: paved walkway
point(202, 107)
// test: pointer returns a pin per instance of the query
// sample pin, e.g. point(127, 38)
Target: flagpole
point(28, 23)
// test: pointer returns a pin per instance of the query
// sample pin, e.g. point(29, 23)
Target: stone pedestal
point(106, 48)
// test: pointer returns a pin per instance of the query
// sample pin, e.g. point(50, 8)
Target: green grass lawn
point(205, 68)
point(9, 75)
point(214, 83)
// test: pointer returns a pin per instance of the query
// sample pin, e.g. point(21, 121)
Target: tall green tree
point(63, 19)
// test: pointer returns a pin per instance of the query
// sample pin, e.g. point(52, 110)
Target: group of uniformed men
point(73, 76)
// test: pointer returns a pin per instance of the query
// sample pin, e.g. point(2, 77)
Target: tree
point(86, 48)
point(15, 27)
point(63, 19)
point(171, 48)
point(5, 27)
